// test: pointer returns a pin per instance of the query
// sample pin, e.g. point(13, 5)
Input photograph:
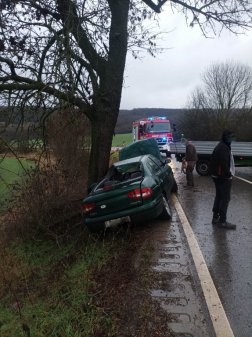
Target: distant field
point(34, 142)
point(10, 172)
point(118, 139)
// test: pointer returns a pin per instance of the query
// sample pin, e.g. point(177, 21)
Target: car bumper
point(143, 213)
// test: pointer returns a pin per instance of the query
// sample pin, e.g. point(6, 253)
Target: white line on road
point(217, 313)
point(247, 181)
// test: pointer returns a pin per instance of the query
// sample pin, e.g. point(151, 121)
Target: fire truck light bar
point(153, 118)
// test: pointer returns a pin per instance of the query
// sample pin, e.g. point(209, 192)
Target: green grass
point(66, 307)
point(243, 162)
point(11, 172)
point(118, 139)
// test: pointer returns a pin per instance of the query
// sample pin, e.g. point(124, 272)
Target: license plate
point(116, 222)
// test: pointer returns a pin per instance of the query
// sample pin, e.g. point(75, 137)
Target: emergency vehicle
point(154, 127)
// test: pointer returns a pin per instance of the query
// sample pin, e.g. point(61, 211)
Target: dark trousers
point(189, 173)
point(222, 198)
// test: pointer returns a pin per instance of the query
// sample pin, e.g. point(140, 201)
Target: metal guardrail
point(240, 149)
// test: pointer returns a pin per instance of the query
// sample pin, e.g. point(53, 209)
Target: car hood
point(140, 148)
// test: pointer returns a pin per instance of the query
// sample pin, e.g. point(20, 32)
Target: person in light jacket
point(191, 159)
point(222, 171)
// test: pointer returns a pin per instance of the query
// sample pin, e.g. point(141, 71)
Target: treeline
point(222, 101)
point(208, 125)
point(127, 117)
point(195, 124)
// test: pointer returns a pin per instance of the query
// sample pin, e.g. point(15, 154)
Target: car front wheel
point(174, 187)
point(166, 213)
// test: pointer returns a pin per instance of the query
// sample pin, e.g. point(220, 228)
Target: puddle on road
point(173, 288)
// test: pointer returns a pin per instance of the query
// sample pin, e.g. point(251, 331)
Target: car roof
point(133, 160)
point(128, 161)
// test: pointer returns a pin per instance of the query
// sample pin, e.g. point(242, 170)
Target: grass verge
point(11, 171)
point(51, 291)
point(118, 139)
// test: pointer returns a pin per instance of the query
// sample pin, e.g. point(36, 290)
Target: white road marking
point(247, 181)
point(217, 313)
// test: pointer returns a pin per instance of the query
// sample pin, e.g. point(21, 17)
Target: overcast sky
point(166, 81)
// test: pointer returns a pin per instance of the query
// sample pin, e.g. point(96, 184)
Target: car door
point(158, 174)
point(165, 174)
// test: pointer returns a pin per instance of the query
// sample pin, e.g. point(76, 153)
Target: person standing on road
point(191, 159)
point(222, 171)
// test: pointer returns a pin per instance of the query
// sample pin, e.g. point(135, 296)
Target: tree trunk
point(102, 135)
point(106, 107)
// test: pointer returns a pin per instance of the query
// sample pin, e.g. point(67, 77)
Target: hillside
point(124, 121)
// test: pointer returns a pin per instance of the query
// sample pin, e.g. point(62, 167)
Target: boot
point(215, 221)
point(226, 225)
point(187, 186)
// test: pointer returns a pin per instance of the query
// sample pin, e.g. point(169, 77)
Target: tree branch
point(89, 69)
point(41, 87)
point(152, 5)
point(10, 64)
point(49, 45)
point(95, 60)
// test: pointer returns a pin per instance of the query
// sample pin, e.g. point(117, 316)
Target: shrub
point(49, 199)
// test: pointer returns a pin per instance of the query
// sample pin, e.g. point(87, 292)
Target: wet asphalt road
point(228, 253)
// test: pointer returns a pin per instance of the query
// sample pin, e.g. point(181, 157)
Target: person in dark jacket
point(222, 171)
point(191, 159)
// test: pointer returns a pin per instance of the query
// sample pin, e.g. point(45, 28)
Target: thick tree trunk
point(102, 135)
point(106, 106)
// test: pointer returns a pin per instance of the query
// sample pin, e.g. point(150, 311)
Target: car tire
point(203, 167)
point(166, 213)
point(96, 228)
point(174, 186)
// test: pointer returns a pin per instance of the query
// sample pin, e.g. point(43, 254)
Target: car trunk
point(115, 199)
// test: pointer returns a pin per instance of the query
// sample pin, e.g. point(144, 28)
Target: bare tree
point(61, 53)
point(224, 100)
point(228, 85)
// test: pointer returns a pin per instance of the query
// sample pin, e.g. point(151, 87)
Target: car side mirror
point(91, 187)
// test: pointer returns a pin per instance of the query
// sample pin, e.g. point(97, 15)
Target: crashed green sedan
point(135, 189)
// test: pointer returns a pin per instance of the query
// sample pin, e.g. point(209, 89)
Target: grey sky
point(166, 81)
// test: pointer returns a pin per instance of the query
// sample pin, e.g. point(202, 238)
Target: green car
point(135, 189)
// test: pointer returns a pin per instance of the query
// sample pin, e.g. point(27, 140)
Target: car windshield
point(158, 128)
point(121, 174)
point(130, 168)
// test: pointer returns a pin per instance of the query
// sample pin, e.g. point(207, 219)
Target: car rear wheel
point(174, 187)
point(166, 213)
point(96, 228)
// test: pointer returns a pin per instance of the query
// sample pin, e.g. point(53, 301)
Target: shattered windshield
point(124, 168)
point(158, 128)
point(121, 174)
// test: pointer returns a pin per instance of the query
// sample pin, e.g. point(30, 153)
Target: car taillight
point(105, 188)
point(88, 207)
point(137, 194)
point(146, 192)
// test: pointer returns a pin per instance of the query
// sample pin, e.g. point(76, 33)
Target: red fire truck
point(154, 127)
